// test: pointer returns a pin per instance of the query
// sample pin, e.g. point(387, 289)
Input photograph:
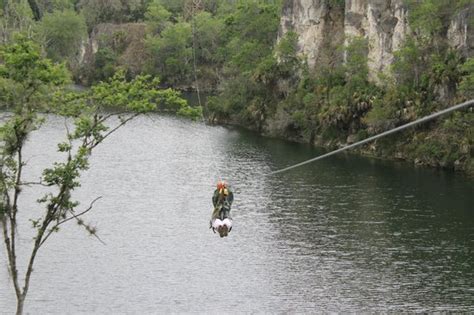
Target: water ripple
point(342, 235)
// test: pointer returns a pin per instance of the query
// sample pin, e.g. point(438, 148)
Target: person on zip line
point(222, 200)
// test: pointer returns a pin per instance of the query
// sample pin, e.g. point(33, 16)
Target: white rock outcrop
point(319, 27)
point(323, 24)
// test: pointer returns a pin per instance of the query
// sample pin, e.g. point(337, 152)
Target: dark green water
point(346, 234)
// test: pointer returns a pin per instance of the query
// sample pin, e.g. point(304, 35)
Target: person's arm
point(215, 214)
point(215, 197)
point(230, 198)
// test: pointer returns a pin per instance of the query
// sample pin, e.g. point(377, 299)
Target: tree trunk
point(35, 9)
point(19, 305)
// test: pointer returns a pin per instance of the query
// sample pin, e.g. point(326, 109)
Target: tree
point(48, 6)
point(157, 17)
point(101, 11)
point(62, 32)
point(174, 6)
point(245, 32)
point(208, 38)
point(15, 17)
point(172, 53)
point(35, 9)
point(466, 86)
point(111, 11)
point(446, 73)
point(30, 85)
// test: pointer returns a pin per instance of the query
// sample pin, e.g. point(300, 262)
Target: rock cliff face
point(383, 23)
point(319, 26)
point(461, 32)
point(323, 24)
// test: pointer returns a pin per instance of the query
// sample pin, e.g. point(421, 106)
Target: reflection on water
point(342, 234)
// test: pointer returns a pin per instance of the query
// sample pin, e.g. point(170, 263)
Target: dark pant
point(225, 213)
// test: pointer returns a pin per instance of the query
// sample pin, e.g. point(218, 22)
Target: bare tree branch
point(114, 129)
point(74, 216)
point(11, 257)
point(104, 118)
point(40, 183)
point(13, 225)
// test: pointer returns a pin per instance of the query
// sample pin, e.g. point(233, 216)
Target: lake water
point(345, 234)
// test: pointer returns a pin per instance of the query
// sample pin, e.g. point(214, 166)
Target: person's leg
point(227, 222)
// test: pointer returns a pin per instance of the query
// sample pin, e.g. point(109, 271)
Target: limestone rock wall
point(461, 32)
point(323, 24)
point(319, 26)
point(383, 23)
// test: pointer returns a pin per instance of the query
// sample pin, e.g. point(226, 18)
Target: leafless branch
point(74, 216)
point(68, 134)
point(114, 129)
point(40, 183)
point(104, 118)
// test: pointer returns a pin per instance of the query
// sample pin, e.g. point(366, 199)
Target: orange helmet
point(221, 184)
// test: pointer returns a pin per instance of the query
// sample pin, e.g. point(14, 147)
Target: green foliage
point(445, 71)
point(216, 110)
point(157, 17)
point(420, 72)
point(172, 53)
point(111, 11)
point(409, 64)
point(52, 5)
point(466, 86)
point(286, 52)
point(208, 39)
point(386, 109)
point(355, 67)
point(447, 146)
point(63, 32)
point(337, 3)
point(246, 55)
point(101, 11)
point(139, 95)
point(174, 6)
point(234, 96)
point(333, 101)
point(427, 16)
point(194, 113)
point(16, 17)
point(267, 71)
point(223, 38)
point(26, 77)
point(248, 33)
point(105, 63)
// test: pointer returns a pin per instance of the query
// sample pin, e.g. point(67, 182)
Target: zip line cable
point(383, 134)
point(194, 7)
point(194, 61)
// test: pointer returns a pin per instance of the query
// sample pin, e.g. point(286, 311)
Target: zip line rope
point(194, 6)
point(383, 134)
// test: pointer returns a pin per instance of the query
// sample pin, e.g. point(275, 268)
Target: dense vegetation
point(230, 48)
